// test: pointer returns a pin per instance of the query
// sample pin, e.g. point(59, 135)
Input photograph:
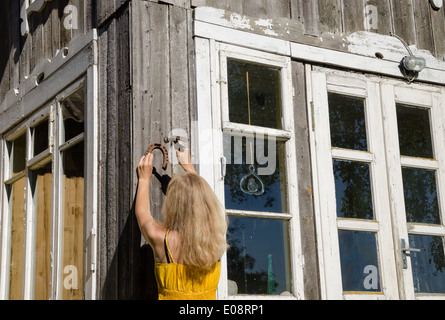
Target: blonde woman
point(189, 243)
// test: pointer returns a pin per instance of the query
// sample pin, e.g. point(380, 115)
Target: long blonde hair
point(193, 210)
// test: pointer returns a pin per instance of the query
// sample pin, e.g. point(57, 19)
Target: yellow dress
point(179, 282)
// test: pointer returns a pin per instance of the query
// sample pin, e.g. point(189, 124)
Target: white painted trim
point(241, 38)
point(91, 183)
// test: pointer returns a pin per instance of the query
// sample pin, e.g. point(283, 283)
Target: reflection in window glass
point(19, 154)
point(41, 180)
point(40, 138)
point(414, 131)
point(73, 114)
point(428, 265)
point(258, 264)
point(265, 190)
point(256, 89)
point(16, 194)
point(347, 122)
point(359, 262)
point(73, 212)
point(353, 190)
point(421, 204)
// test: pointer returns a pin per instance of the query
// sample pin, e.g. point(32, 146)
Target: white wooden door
point(414, 130)
point(377, 185)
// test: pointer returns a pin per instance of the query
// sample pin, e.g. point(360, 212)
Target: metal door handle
point(406, 250)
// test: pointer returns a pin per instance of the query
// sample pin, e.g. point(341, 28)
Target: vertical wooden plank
point(80, 30)
point(438, 28)
point(152, 98)
point(180, 116)
point(4, 54)
point(330, 16)
point(353, 15)
point(14, 40)
point(36, 32)
point(151, 87)
point(47, 31)
point(305, 187)
point(423, 24)
point(403, 17)
point(384, 15)
point(307, 13)
point(65, 33)
point(55, 27)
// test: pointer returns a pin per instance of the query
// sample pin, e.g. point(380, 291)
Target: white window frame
point(426, 97)
point(384, 93)
point(213, 117)
point(51, 111)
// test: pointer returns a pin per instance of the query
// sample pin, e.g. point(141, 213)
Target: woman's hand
point(145, 167)
point(184, 159)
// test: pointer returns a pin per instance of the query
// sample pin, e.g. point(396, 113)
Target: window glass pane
point(347, 122)
point(258, 264)
point(359, 262)
point(19, 154)
point(73, 114)
point(41, 180)
point(73, 210)
point(16, 194)
point(40, 137)
point(421, 204)
point(428, 265)
point(254, 94)
point(414, 131)
point(353, 190)
point(257, 187)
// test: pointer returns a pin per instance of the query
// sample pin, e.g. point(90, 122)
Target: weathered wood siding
point(413, 20)
point(20, 55)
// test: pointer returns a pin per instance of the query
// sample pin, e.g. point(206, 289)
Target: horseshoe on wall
point(159, 146)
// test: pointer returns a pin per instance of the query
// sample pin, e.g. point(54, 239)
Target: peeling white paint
point(240, 22)
point(264, 23)
point(268, 25)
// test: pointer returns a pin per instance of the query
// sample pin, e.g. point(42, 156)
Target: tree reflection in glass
point(414, 131)
point(347, 122)
point(421, 204)
point(258, 257)
point(428, 265)
point(353, 190)
point(237, 153)
point(254, 88)
point(358, 254)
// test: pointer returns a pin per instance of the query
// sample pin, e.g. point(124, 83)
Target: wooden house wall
point(147, 88)
point(20, 55)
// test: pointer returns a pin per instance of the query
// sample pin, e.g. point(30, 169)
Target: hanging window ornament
point(251, 183)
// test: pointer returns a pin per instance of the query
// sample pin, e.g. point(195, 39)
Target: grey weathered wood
point(353, 16)
point(180, 114)
point(305, 187)
point(385, 20)
point(403, 17)
point(422, 19)
point(438, 29)
point(330, 16)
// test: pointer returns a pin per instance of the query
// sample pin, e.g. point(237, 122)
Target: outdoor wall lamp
point(410, 65)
